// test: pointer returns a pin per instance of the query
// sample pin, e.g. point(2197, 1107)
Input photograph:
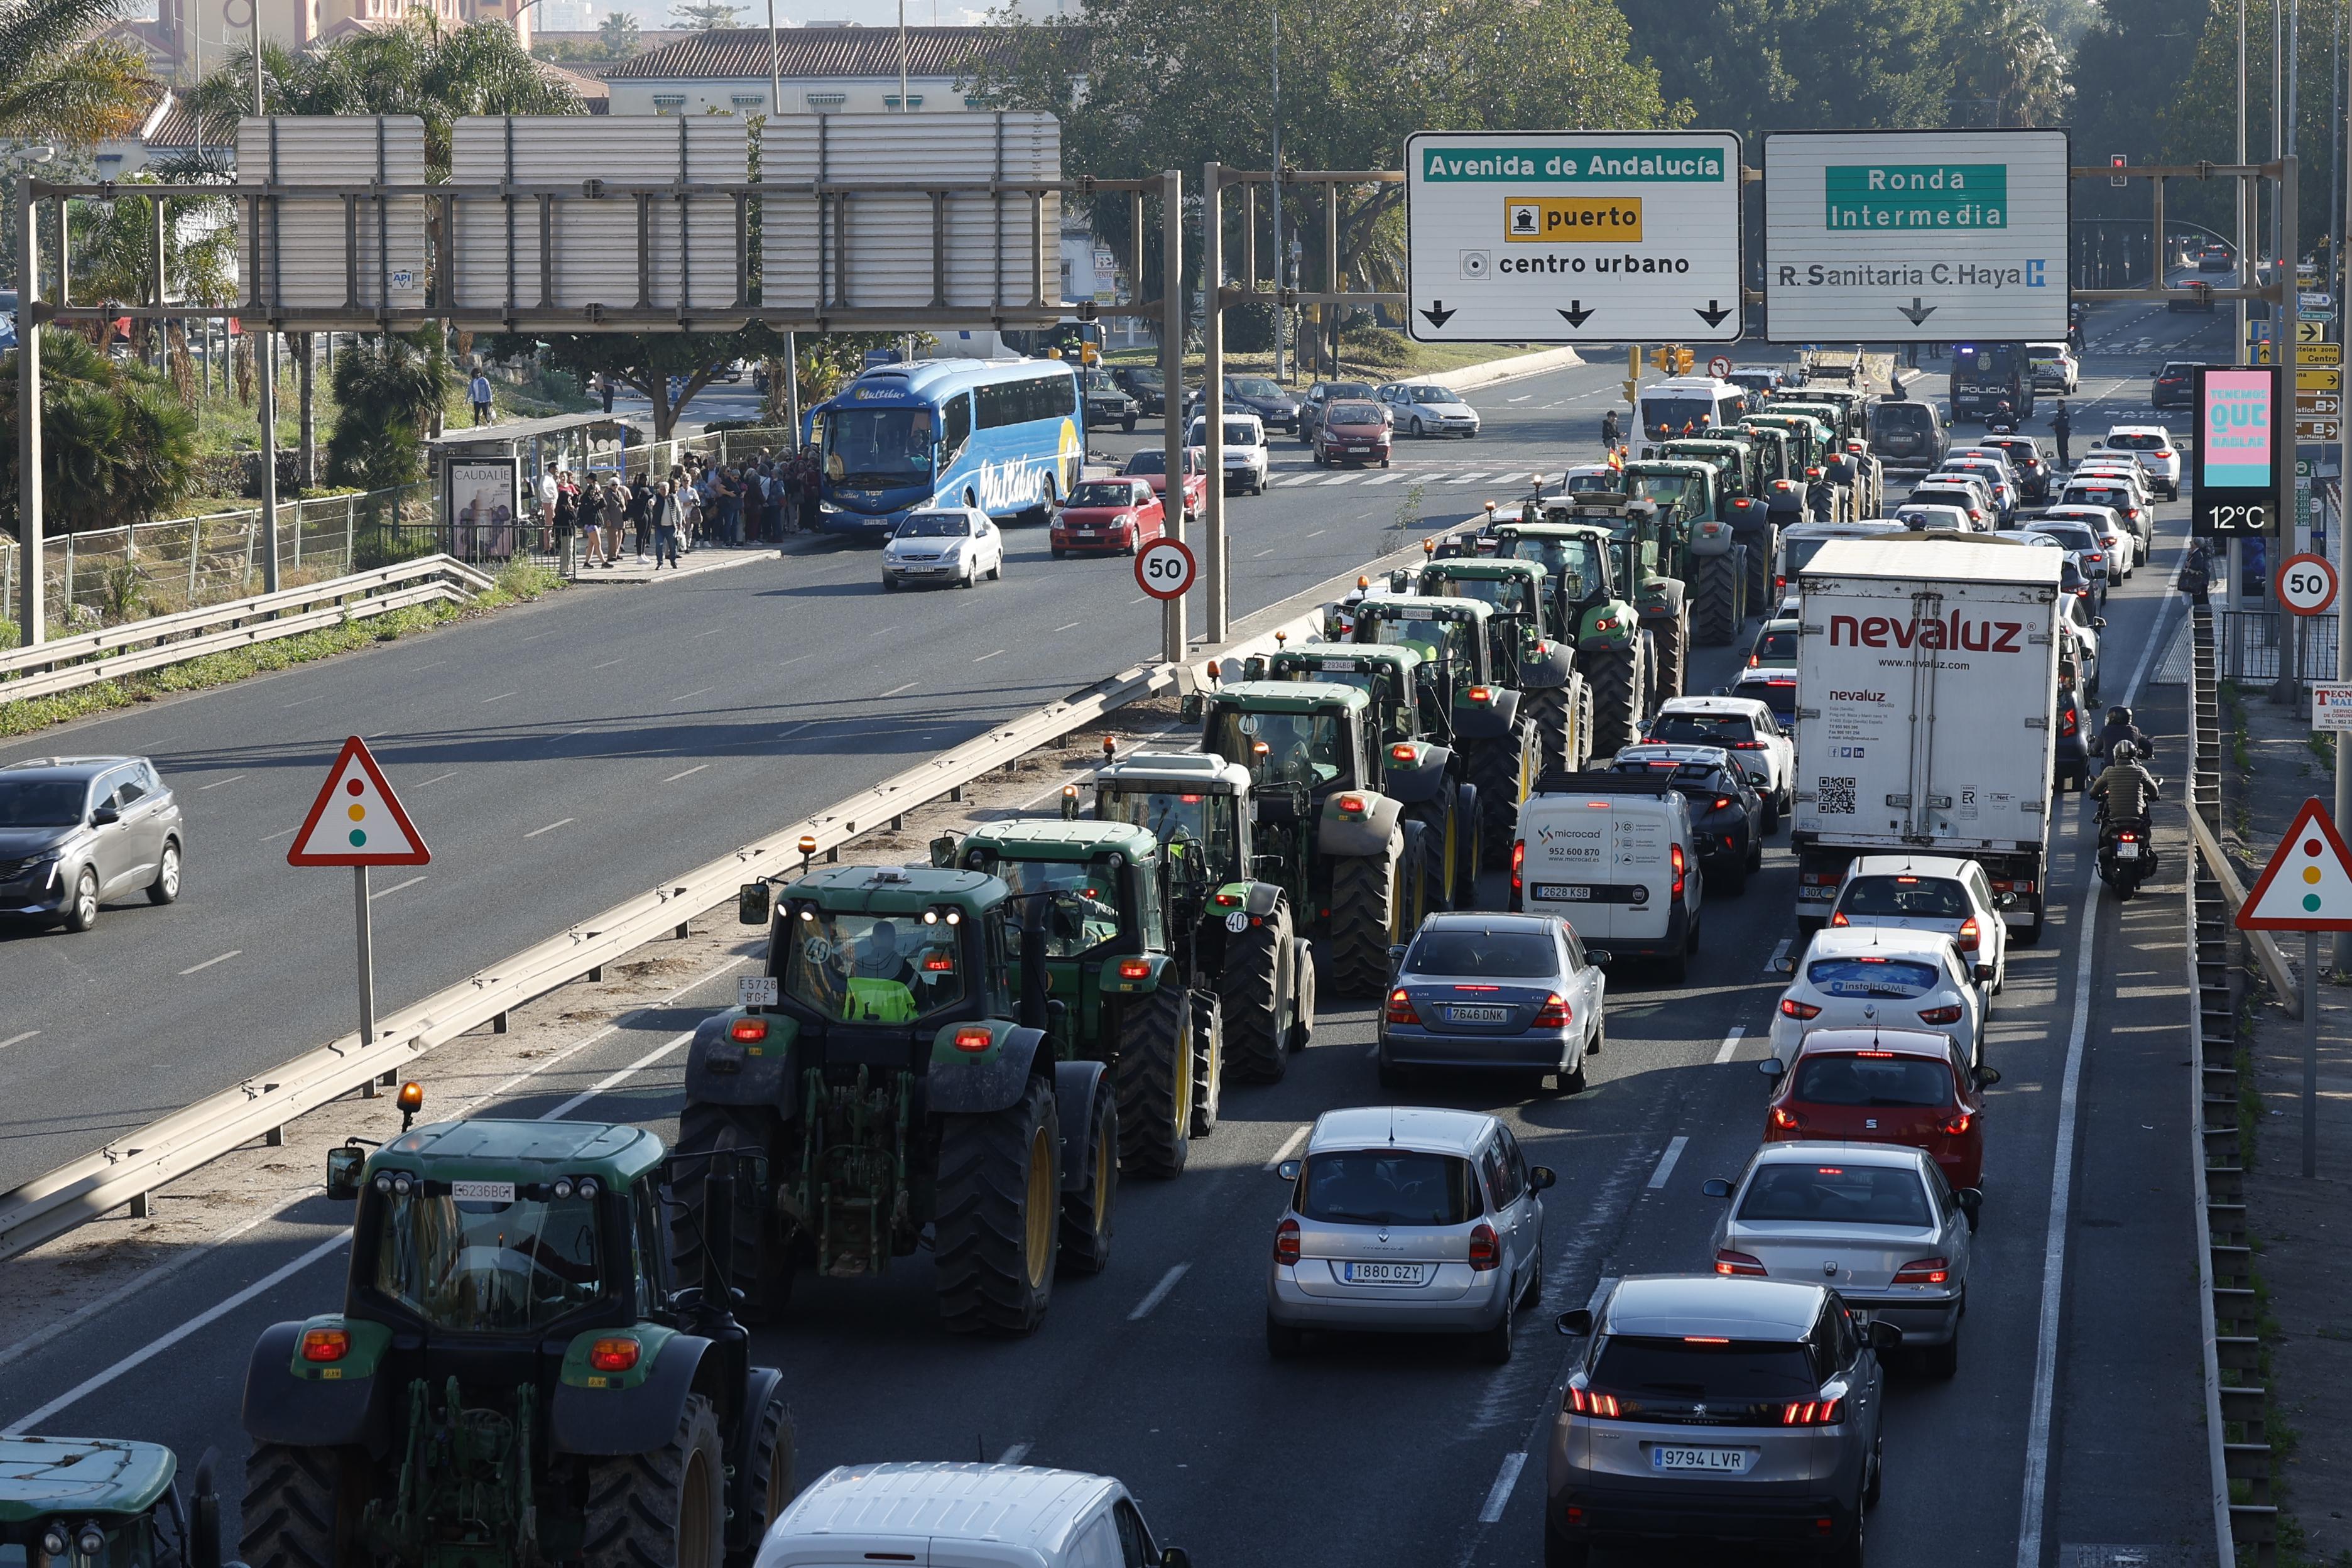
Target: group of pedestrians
point(699, 503)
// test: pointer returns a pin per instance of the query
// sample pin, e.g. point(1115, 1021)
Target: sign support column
point(357, 821)
point(2285, 313)
point(1172, 647)
point(2343, 546)
point(31, 606)
point(367, 964)
point(1212, 393)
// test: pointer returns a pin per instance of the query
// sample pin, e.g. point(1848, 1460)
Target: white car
point(1247, 457)
point(1948, 519)
point(1876, 977)
point(2053, 365)
point(2087, 543)
point(2154, 447)
point(2084, 627)
point(1425, 408)
point(1593, 479)
point(1941, 893)
point(1742, 726)
point(955, 545)
point(2111, 469)
point(2123, 544)
point(1015, 1516)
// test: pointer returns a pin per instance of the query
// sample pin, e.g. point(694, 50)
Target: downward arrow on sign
point(1576, 313)
point(1915, 312)
point(1713, 315)
point(1437, 313)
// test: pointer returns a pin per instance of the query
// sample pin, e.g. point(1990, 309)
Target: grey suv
point(76, 831)
point(1717, 1409)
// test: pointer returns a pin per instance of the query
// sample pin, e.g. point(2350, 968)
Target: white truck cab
point(963, 1516)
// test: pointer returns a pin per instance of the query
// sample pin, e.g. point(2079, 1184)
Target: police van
point(1614, 855)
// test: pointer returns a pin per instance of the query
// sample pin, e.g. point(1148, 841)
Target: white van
point(972, 1516)
point(1612, 854)
point(1247, 458)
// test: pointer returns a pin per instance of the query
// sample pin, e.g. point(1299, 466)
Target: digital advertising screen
point(2241, 437)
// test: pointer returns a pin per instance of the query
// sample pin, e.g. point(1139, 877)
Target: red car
point(1150, 466)
point(1885, 1086)
point(1120, 514)
point(1354, 432)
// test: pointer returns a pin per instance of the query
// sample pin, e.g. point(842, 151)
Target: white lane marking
point(1014, 1454)
point(550, 827)
point(712, 633)
point(383, 892)
point(2062, 1187)
point(1072, 626)
point(688, 773)
point(1318, 533)
point(983, 658)
point(1261, 554)
point(300, 701)
point(208, 963)
point(1665, 1166)
point(1136, 600)
point(610, 1080)
point(782, 662)
point(1159, 1292)
point(606, 665)
point(17, 1039)
point(690, 696)
point(217, 783)
point(1730, 1045)
point(1289, 1147)
point(1520, 398)
point(1491, 1511)
point(1772, 964)
point(896, 689)
point(436, 778)
point(502, 697)
point(275, 837)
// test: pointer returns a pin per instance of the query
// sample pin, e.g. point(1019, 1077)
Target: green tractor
point(1490, 727)
point(1698, 545)
point(1843, 413)
point(899, 1067)
point(1347, 856)
point(1742, 499)
point(1811, 443)
point(1125, 1000)
point(511, 1382)
point(99, 1502)
point(1650, 557)
point(1234, 931)
point(1413, 748)
point(1583, 566)
point(1526, 636)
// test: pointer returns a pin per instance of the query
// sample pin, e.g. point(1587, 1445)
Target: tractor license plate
point(1383, 1273)
point(1477, 1015)
point(482, 1191)
point(1562, 892)
point(2126, 851)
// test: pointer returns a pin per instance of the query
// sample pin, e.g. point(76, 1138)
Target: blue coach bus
point(1005, 436)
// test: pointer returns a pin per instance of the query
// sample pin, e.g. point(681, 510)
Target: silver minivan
point(1705, 1408)
point(1405, 1219)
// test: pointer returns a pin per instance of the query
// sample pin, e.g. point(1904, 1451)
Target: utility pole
point(904, 106)
point(2343, 957)
point(30, 598)
point(792, 340)
point(265, 350)
point(1281, 335)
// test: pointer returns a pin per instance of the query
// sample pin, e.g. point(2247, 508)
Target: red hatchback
point(1119, 514)
point(1354, 432)
point(1884, 1086)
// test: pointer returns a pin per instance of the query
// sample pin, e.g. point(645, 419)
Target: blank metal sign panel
point(1562, 237)
point(304, 239)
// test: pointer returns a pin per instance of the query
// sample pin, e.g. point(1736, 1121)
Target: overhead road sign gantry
point(1566, 236)
point(1915, 235)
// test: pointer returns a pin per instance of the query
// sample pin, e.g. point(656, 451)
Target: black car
point(2176, 384)
point(2025, 460)
point(1106, 403)
point(1259, 394)
point(1908, 435)
point(2074, 761)
point(1144, 384)
point(1726, 815)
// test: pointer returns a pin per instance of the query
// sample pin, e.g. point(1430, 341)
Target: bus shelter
point(486, 479)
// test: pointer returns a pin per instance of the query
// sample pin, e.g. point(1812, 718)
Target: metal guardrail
point(126, 1169)
point(2228, 1313)
point(88, 658)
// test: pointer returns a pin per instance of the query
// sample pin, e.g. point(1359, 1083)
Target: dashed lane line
point(208, 963)
point(1159, 1292)
point(217, 783)
point(1289, 1147)
point(1731, 1042)
point(686, 774)
point(550, 827)
point(1500, 1494)
point(17, 1039)
point(1667, 1162)
point(375, 893)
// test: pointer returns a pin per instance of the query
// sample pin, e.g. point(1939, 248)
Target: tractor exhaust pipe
point(1033, 1014)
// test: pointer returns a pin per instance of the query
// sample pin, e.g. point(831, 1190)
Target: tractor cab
point(1390, 675)
point(99, 1502)
point(884, 956)
point(1195, 805)
point(1292, 737)
point(1682, 491)
point(1100, 900)
point(1451, 637)
point(1578, 558)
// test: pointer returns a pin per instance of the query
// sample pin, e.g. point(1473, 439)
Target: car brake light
point(325, 1344)
point(1958, 1125)
point(1519, 861)
point(614, 1355)
point(2165, 452)
point(1553, 1015)
point(1730, 1262)
point(1969, 936)
point(1400, 1009)
point(1285, 1242)
point(1786, 1118)
point(1584, 1401)
point(1792, 1008)
point(973, 1038)
point(1949, 1014)
point(1486, 1252)
point(1924, 1271)
point(1812, 1412)
point(1674, 853)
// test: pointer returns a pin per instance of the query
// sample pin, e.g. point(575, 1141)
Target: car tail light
point(1721, 803)
point(1792, 1008)
point(973, 1038)
point(748, 1029)
point(1958, 1125)
point(1755, 660)
point(1587, 1402)
point(1785, 1119)
point(1674, 853)
point(1486, 1252)
point(2165, 452)
point(1970, 936)
point(1948, 1015)
point(1812, 1412)
point(1519, 861)
point(1924, 1271)
point(2066, 720)
point(1838, 919)
point(1746, 746)
point(2094, 557)
point(614, 1355)
point(1730, 1262)
point(325, 1344)
point(1400, 1009)
point(1134, 968)
point(1553, 1015)
point(1285, 1242)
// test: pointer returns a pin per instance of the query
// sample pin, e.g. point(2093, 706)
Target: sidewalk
point(2304, 1271)
point(635, 569)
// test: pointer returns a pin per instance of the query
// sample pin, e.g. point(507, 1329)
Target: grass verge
point(518, 583)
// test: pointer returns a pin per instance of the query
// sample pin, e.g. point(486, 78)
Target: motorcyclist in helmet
point(2126, 791)
point(2117, 728)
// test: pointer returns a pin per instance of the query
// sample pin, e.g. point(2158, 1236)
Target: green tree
point(666, 368)
point(117, 444)
point(62, 84)
point(1756, 66)
point(2010, 71)
point(618, 33)
point(2200, 121)
point(391, 388)
point(708, 16)
point(2136, 59)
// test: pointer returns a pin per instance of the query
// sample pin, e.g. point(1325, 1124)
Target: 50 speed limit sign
point(1165, 569)
point(2306, 584)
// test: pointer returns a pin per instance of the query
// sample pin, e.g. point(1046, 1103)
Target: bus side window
point(957, 425)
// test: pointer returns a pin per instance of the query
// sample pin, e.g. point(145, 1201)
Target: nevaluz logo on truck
point(1952, 631)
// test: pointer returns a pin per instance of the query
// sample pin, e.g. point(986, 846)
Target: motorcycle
point(2127, 854)
point(2001, 421)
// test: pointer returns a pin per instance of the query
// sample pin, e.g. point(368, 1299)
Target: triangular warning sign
point(2308, 886)
point(357, 820)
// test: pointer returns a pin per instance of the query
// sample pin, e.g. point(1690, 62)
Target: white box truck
point(1926, 674)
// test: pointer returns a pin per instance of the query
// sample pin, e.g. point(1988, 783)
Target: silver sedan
point(1491, 992)
point(76, 831)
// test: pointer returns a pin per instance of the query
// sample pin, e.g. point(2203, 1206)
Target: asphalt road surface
point(2074, 1423)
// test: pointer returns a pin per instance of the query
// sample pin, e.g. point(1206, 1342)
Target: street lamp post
point(265, 358)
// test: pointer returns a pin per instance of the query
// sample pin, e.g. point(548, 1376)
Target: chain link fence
point(2247, 646)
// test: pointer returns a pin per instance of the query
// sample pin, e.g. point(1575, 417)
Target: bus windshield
point(1677, 415)
point(878, 447)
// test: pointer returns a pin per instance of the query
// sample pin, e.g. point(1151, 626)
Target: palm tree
point(62, 84)
point(618, 33)
point(390, 389)
point(2012, 65)
point(117, 445)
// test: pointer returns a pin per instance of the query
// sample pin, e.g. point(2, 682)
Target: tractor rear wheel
point(1617, 680)
point(996, 1236)
point(301, 1507)
point(1549, 710)
point(1715, 598)
point(1153, 1073)
point(665, 1508)
point(759, 1263)
point(1087, 1212)
point(1469, 848)
point(1496, 767)
point(1583, 725)
point(1208, 1060)
point(774, 1479)
point(1252, 990)
point(1368, 900)
point(1761, 552)
point(1301, 1027)
point(1670, 639)
point(1441, 859)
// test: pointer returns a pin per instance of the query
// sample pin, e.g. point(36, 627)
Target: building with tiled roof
point(822, 68)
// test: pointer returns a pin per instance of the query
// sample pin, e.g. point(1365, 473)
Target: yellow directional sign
point(2261, 353)
point(2319, 381)
point(2310, 331)
point(2319, 353)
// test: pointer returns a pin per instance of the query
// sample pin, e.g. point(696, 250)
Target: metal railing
point(2228, 1311)
point(2247, 643)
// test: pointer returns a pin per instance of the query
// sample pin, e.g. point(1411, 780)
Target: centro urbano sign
point(2239, 448)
